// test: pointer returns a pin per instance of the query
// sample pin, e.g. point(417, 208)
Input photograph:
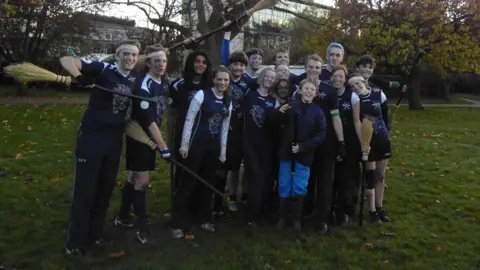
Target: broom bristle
point(261, 5)
point(28, 72)
point(135, 131)
point(367, 132)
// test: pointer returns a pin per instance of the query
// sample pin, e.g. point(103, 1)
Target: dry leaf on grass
point(54, 180)
point(117, 255)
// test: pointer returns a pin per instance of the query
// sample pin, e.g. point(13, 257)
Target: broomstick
point(135, 131)
point(264, 4)
point(367, 132)
point(28, 72)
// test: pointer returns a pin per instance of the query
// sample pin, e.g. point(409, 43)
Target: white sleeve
point(355, 98)
point(224, 135)
point(193, 109)
point(384, 98)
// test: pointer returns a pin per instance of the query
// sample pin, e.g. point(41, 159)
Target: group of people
point(297, 138)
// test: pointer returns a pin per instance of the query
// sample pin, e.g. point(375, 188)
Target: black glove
point(82, 80)
point(165, 153)
point(341, 151)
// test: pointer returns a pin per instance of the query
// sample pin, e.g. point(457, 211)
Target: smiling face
point(126, 59)
point(282, 58)
point(282, 89)
point(158, 63)
point(335, 57)
point(222, 81)
point(255, 61)
point(282, 71)
point(308, 92)
point(338, 79)
point(200, 64)
point(366, 70)
point(359, 86)
point(313, 69)
point(269, 79)
point(237, 68)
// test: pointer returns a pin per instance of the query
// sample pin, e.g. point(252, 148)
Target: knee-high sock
point(140, 207)
point(379, 189)
point(127, 193)
point(370, 190)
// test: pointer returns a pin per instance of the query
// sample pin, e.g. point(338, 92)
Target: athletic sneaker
point(232, 206)
point(142, 237)
point(117, 221)
point(177, 234)
point(374, 218)
point(382, 215)
point(209, 227)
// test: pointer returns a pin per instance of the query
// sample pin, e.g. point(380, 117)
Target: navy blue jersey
point(146, 112)
point(371, 107)
point(325, 74)
point(205, 119)
point(239, 89)
point(106, 109)
point(345, 105)
point(181, 97)
point(256, 108)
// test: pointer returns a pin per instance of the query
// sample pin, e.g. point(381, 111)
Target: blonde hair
point(305, 81)
point(262, 72)
point(314, 57)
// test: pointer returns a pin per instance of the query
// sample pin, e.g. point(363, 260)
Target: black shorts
point(380, 150)
point(139, 157)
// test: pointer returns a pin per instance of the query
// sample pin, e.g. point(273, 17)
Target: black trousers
point(97, 160)
point(191, 194)
point(258, 169)
point(346, 185)
point(320, 185)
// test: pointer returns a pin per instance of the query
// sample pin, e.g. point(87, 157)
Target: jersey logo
point(144, 105)
point(376, 105)
point(346, 106)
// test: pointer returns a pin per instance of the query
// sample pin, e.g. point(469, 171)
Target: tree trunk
point(446, 90)
point(413, 93)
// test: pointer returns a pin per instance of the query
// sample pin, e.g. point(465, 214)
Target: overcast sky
point(134, 13)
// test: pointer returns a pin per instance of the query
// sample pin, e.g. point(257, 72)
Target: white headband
point(128, 48)
point(157, 53)
point(355, 79)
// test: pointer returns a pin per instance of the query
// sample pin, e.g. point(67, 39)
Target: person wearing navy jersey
point(335, 53)
point(255, 60)
point(374, 106)
point(347, 170)
point(319, 195)
point(203, 147)
point(310, 127)
point(99, 142)
point(196, 76)
point(257, 134)
point(140, 158)
point(241, 83)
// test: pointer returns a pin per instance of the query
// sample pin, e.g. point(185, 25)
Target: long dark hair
point(189, 71)
point(226, 94)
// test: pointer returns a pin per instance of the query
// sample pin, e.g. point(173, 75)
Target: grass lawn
point(433, 197)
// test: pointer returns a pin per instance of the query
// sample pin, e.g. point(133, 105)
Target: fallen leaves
point(54, 180)
point(439, 249)
point(404, 163)
point(19, 156)
point(117, 255)
point(473, 220)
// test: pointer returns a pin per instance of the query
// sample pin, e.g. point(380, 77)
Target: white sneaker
point(232, 206)
point(177, 234)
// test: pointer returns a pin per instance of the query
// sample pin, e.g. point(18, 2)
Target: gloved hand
point(84, 81)
point(341, 151)
point(165, 153)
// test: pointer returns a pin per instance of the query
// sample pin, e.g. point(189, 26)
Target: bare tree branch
point(311, 3)
point(299, 15)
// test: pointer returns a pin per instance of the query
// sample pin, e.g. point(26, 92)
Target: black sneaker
point(383, 216)
point(374, 218)
point(127, 223)
point(322, 229)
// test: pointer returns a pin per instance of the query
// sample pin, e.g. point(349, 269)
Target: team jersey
point(207, 120)
point(238, 91)
point(345, 105)
point(147, 112)
point(106, 109)
point(325, 74)
point(372, 107)
point(181, 96)
point(256, 107)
